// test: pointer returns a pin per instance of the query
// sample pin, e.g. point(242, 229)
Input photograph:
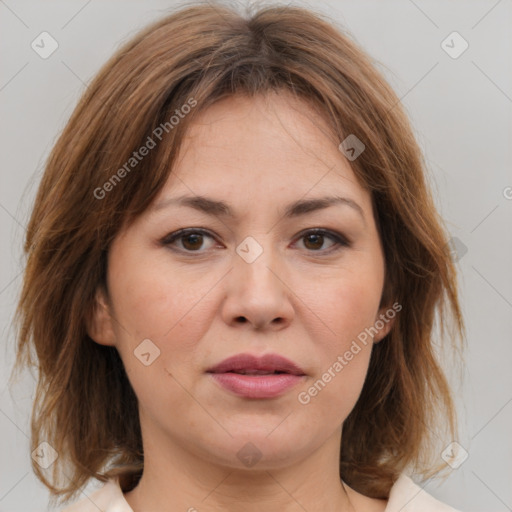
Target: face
point(271, 271)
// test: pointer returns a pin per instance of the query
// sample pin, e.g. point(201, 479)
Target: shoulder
point(108, 498)
point(406, 496)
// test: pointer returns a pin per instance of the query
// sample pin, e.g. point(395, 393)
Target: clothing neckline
point(404, 496)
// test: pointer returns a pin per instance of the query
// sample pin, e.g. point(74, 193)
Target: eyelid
point(339, 237)
point(170, 237)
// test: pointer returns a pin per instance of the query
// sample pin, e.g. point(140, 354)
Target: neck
point(177, 478)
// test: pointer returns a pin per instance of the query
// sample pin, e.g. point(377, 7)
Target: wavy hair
point(84, 405)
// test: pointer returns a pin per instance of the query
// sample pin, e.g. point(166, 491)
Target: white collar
point(405, 496)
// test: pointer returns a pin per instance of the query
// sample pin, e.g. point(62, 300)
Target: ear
point(100, 321)
point(385, 320)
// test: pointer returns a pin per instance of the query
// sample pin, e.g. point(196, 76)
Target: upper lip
point(247, 362)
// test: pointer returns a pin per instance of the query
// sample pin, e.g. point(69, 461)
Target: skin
point(304, 298)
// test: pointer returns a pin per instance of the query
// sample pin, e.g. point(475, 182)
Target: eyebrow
point(221, 209)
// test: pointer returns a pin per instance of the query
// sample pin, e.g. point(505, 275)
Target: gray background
point(461, 112)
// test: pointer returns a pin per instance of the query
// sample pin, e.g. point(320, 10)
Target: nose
point(258, 296)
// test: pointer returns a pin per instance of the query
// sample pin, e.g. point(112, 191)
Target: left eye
point(315, 238)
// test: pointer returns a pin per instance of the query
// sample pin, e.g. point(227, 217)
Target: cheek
point(171, 310)
point(150, 300)
point(346, 309)
point(173, 317)
point(344, 355)
point(355, 310)
point(346, 306)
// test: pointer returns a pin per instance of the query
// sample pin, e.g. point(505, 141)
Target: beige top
point(405, 496)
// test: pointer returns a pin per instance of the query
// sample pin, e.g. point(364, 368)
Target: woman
point(234, 266)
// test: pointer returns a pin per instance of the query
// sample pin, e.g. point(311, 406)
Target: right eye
point(191, 239)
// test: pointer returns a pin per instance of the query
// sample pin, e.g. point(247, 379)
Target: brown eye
point(315, 239)
point(192, 240)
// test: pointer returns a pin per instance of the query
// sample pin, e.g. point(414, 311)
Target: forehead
point(273, 147)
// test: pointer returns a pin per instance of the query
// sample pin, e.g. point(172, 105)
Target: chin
point(258, 447)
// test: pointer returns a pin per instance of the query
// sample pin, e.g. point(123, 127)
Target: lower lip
point(257, 386)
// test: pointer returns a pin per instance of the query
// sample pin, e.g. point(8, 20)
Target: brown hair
point(84, 406)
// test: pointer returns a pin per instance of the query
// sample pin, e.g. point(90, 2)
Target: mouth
point(257, 377)
point(247, 364)
point(254, 372)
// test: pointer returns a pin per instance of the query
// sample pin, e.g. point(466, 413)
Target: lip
point(268, 385)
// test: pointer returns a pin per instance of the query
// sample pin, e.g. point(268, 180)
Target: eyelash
point(340, 240)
